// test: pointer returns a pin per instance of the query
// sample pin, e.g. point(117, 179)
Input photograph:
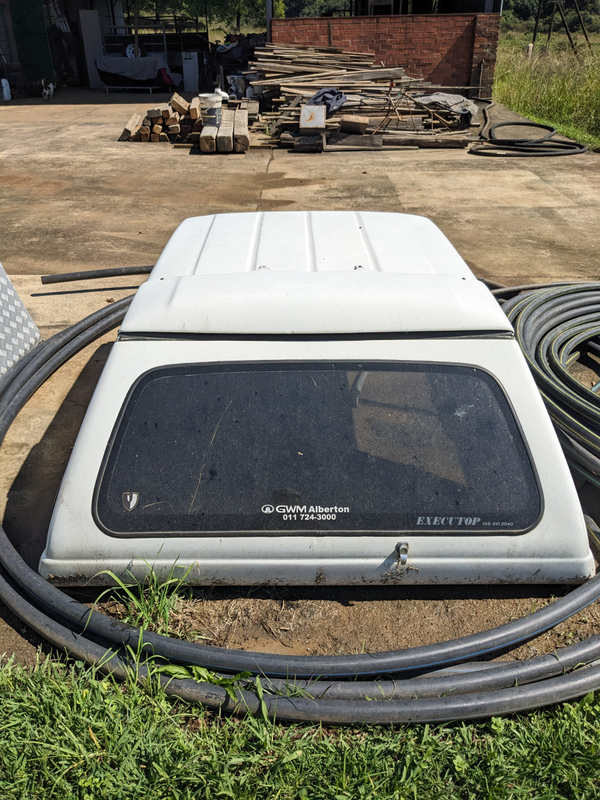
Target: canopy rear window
point(350, 448)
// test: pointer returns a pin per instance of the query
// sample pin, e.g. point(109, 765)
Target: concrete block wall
point(447, 49)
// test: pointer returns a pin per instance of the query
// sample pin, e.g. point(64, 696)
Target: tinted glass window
point(316, 447)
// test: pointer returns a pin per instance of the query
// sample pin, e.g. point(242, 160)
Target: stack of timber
point(303, 70)
point(381, 111)
point(180, 122)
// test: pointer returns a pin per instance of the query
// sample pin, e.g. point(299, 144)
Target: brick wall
point(447, 49)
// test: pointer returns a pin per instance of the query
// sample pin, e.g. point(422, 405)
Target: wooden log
point(147, 122)
point(354, 124)
point(157, 128)
point(166, 112)
point(153, 113)
point(195, 108)
point(132, 126)
point(241, 139)
point(145, 137)
point(208, 139)
point(163, 137)
point(174, 129)
point(225, 134)
point(154, 137)
point(179, 104)
point(144, 129)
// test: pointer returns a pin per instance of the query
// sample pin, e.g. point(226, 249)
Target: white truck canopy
point(309, 272)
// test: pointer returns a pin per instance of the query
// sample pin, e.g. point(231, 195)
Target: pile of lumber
point(381, 110)
point(180, 123)
point(303, 70)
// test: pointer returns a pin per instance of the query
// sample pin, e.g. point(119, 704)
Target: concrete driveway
point(72, 198)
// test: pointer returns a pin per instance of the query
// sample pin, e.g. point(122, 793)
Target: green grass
point(148, 605)
point(555, 87)
point(66, 732)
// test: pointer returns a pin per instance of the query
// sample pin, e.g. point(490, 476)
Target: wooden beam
point(131, 128)
point(241, 139)
point(225, 134)
point(208, 139)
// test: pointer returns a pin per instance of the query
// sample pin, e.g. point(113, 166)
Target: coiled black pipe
point(553, 325)
point(488, 690)
point(545, 145)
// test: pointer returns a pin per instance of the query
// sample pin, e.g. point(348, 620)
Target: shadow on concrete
point(79, 96)
point(32, 494)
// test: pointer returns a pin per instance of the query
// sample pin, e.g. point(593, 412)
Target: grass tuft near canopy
point(67, 732)
point(555, 87)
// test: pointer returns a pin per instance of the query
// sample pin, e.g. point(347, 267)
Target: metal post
point(583, 28)
point(564, 22)
point(269, 18)
point(551, 24)
point(136, 35)
point(537, 20)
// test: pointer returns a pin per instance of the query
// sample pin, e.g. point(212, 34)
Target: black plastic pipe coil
point(546, 145)
point(420, 684)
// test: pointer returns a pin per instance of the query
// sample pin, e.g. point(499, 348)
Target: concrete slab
point(72, 197)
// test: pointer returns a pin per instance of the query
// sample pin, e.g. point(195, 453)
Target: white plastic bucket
point(210, 108)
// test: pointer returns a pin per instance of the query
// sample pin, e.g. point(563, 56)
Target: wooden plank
point(154, 137)
point(345, 148)
point(197, 126)
point(225, 134)
point(174, 129)
point(145, 137)
point(253, 110)
point(208, 139)
point(285, 116)
point(153, 113)
point(357, 140)
point(241, 138)
point(163, 137)
point(195, 108)
point(179, 104)
point(131, 128)
point(427, 141)
point(157, 128)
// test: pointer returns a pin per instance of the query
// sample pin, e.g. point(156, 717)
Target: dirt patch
point(346, 620)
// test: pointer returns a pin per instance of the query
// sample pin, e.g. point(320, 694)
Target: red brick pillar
point(485, 44)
